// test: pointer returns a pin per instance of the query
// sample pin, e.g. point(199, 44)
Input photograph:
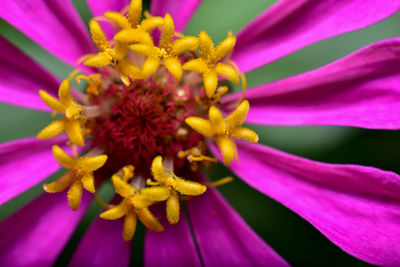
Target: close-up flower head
point(142, 120)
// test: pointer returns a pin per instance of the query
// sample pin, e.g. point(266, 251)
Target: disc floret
point(209, 65)
point(80, 175)
point(167, 186)
point(167, 52)
point(71, 110)
point(132, 206)
point(111, 56)
point(224, 130)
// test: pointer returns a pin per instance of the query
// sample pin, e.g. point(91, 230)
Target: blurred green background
point(292, 237)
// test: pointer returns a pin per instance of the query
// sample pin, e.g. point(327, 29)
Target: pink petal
point(356, 207)
point(53, 24)
point(174, 247)
point(180, 10)
point(26, 162)
point(99, 7)
point(224, 238)
point(362, 90)
point(36, 235)
point(102, 245)
point(22, 78)
point(290, 25)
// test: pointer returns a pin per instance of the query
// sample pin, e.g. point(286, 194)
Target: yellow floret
point(225, 130)
point(209, 65)
point(168, 185)
point(80, 175)
point(72, 111)
point(134, 205)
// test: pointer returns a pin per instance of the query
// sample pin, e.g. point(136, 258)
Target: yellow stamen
point(167, 52)
point(73, 74)
point(95, 84)
point(221, 90)
point(99, 201)
point(84, 58)
point(209, 65)
point(110, 56)
point(225, 130)
point(147, 14)
point(132, 31)
point(133, 205)
point(168, 186)
point(220, 182)
point(79, 177)
point(101, 18)
point(66, 106)
point(195, 155)
point(202, 158)
point(242, 79)
point(179, 34)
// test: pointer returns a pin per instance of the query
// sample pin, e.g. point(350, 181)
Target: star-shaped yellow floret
point(167, 52)
point(133, 205)
point(167, 186)
point(111, 56)
point(80, 175)
point(72, 111)
point(131, 30)
point(225, 130)
point(209, 65)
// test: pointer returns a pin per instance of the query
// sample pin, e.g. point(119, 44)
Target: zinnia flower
point(153, 108)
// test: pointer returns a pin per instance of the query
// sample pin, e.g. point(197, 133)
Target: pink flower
point(356, 207)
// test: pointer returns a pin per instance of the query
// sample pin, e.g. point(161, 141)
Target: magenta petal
point(99, 7)
point(356, 207)
point(293, 24)
point(180, 10)
point(26, 162)
point(22, 78)
point(53, 24)
point(361, 90)
point(102, 245)
point(174, 247)
point(224, 238)
point(36, 234)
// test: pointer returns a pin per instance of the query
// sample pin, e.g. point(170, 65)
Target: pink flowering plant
point(158, 108)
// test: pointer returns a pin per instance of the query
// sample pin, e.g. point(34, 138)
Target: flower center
point(143, 120)
point(147, 113)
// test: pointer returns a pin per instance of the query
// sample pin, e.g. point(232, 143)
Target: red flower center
point(144, 119)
